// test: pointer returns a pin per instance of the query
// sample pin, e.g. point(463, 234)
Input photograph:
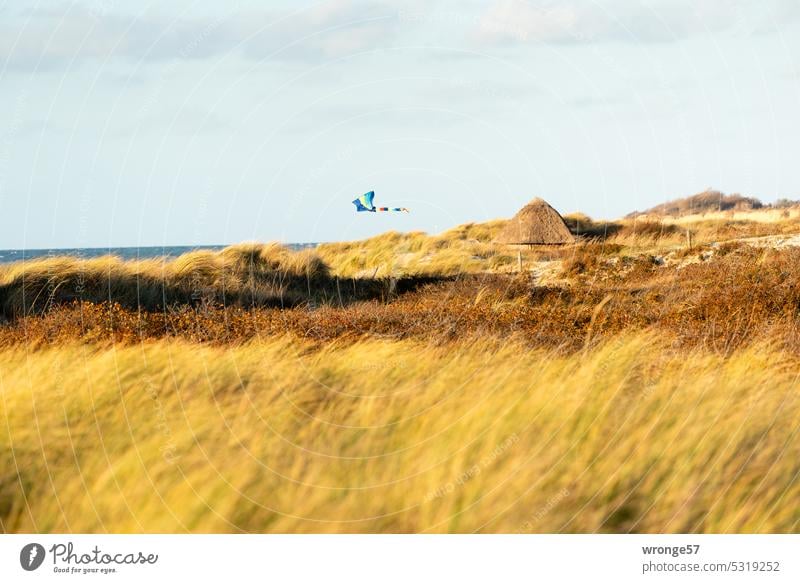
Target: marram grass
point(398, 436)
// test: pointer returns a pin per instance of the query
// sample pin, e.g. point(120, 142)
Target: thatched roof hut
point(536, 224)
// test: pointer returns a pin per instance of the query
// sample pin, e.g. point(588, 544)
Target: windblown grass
point(408, 383)
point(255, 274)
point(249, 275)
point(398, 436)
point(721, 299)
point(465, 249)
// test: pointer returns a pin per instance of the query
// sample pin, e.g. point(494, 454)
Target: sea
point(12, 255)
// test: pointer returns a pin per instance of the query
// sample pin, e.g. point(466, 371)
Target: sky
point(188, 123)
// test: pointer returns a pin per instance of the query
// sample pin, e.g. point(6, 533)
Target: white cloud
point(571, 21)
point(330, 30)
point(51, 38)
point(521, 21)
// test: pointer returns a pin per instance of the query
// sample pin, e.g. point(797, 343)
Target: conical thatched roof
point(536, 224)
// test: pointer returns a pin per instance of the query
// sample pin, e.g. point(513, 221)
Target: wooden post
point(689, 239)
point(519, 261)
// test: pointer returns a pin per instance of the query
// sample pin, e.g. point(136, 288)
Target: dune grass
point(398, 436)
point(468, 248)
point(721, 299)
point(256, 274)
point(408, 383)
point(248, 274)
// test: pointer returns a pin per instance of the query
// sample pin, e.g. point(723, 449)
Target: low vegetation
point(398, 436)
point(718, 299)
point(465, 249)
point(641, 380)
point(250, 274)
point(704, 202)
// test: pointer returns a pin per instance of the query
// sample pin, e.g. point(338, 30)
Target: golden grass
point(269, 274)
point(398, 436)
point(721, 298)
point(647, 388)
point(464, 249)
point(661, 235)
point(244, 274)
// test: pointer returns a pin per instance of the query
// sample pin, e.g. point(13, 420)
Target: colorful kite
point(364, 204)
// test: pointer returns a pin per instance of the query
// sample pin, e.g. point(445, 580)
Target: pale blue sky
point(199, 123)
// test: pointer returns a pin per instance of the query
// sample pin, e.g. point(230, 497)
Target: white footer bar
point(401, 558)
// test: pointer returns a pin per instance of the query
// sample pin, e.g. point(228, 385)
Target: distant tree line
point(710, 201)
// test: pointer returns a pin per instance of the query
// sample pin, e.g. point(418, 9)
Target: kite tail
point(395, 210)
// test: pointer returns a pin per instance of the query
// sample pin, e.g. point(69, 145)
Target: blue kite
point(364, 204)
